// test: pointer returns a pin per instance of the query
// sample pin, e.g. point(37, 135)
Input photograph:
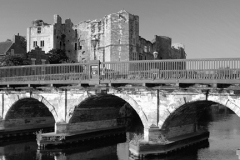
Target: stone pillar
point(33, 61)
point(12, 52)
point(154, 134)
point(238, 153)
point(43, 61)
point(61, 127)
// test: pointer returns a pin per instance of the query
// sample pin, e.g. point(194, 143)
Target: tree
point(14, 60)
point(57, 56)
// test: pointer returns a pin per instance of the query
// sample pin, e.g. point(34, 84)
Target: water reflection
point(223, 142)
point(18, 150)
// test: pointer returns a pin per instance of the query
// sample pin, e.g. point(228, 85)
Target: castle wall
point(116, 38)
point(178, 51)
point(40, 33)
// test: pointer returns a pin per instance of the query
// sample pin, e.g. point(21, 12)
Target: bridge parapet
point(154, 71)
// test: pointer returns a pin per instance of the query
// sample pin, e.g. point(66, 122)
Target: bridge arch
point(120, 99)
point(188, 112)
point(16, 99)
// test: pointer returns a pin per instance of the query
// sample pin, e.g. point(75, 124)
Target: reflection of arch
point(197, 105)
point(121, 97)
point(36, 97)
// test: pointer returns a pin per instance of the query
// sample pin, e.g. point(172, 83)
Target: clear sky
point(207, 28)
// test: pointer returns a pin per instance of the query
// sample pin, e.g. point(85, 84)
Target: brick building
point(115, 37)
point(13, 46)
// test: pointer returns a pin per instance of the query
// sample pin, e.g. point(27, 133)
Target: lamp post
point(155, 55)
point(94, 43)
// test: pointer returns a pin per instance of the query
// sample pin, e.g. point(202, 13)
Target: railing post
point(43, 63)
point(33, 63)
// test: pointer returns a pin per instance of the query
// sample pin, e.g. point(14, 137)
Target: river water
point(224, 127)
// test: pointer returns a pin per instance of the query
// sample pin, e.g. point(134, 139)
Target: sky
point(207, 28)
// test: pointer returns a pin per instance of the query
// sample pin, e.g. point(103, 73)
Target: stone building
point(177, 51)
point(115, 37)
point(52, 36)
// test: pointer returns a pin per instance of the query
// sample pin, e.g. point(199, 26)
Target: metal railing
point(174, 69)
point(56, 72)
point(152, 71)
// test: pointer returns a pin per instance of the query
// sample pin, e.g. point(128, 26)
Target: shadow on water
point(116, 148)
point(100, 149)
point(18, 149)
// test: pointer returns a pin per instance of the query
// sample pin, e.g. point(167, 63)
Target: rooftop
point(4, 47)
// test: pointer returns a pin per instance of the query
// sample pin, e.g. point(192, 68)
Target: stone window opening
point(145, 48)
point(42, 43)
point(34, 43)
point(63, 46)
point(76, 33)
point(75, 46)
point(39, 30)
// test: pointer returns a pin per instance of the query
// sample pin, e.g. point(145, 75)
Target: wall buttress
point(2, 104)
point(65, 105)
point(158, 105)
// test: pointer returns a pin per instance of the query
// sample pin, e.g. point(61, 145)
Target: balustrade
point(144, 70)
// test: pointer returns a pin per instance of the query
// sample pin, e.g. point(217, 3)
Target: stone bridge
point(172, 112)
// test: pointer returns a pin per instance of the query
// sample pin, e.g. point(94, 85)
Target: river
point(224, 127)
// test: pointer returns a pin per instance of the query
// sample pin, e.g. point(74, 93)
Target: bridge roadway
point(173, 111)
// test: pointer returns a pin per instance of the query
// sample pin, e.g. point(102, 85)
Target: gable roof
point(4, 47)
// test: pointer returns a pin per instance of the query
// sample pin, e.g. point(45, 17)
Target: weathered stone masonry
point(115, 37)
point(175, 114)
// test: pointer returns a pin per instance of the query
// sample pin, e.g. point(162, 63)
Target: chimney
point(12, 52)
